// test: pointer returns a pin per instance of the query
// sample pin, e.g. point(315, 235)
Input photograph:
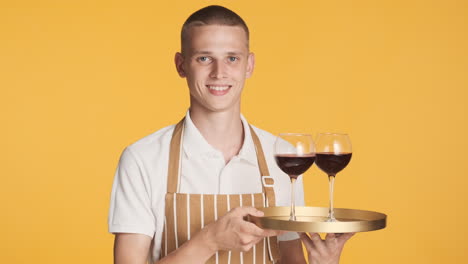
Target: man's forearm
point(193, 251)
point(134, 249)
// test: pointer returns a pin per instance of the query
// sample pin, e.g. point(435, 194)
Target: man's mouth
point(218, 87)
point(219, 90)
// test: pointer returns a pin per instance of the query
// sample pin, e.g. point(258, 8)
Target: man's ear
point(179, 63)
point(250, 65)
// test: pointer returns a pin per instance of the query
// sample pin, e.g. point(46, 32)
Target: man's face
point(216, 62)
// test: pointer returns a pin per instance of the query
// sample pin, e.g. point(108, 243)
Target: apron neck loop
point(174, 163)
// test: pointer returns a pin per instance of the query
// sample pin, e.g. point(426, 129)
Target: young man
point(181, 194)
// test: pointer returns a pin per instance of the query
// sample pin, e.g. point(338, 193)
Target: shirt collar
point(248, 152)
point(194, 144)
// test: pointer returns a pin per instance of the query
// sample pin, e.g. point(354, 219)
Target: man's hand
point(324, 251)
point(232, 232)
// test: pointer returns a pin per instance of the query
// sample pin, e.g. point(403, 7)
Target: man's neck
point(222, 130)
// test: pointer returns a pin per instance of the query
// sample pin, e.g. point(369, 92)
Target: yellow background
point(80, 80)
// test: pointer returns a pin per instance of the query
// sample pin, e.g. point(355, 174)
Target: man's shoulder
point(264, 135)
point(153, 142)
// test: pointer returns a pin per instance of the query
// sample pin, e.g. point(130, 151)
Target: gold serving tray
point(311, 219)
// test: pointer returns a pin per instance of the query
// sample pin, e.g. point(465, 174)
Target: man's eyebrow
point(235, 53)
point(197, 52)
point(203, 52)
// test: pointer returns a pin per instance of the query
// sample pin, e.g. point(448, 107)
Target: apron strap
point(267, 181)
point(174, 157)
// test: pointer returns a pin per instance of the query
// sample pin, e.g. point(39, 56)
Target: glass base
point(331, 220)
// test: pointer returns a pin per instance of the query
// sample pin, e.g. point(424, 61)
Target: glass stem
point(292, 216)
point(331, 213)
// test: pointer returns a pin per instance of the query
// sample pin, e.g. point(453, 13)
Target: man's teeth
point(218, 88)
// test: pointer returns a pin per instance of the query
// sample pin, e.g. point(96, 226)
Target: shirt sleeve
point(130, 206)
point(299, 193)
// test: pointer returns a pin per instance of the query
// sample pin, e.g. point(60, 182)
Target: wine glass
point(333, 154)
point(294, 154)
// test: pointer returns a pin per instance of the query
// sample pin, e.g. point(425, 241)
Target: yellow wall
point(80, 80)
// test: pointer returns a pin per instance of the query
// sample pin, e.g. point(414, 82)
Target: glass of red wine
point(333, 154)
point(294, 154)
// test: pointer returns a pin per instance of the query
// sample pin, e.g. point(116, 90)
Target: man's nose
point(218, 70)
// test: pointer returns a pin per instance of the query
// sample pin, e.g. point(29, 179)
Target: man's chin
point(216, 108)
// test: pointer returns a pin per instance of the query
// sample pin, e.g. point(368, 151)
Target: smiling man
point(181, 194)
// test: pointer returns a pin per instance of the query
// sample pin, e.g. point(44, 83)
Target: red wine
point(294, 165)
point(332, 163)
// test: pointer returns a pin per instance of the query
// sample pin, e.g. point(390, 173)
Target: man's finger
point(280, 232)
point(248, 210)
point(344, 237)
point(306, 241)
point(331, 236)
point(318, 242)
point(332, 239)
point(271, 232)
point(247, 240)
point(254, 230)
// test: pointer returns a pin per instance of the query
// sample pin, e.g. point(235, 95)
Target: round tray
point(311, 219)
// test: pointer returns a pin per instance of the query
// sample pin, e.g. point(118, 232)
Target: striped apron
point(186, 214)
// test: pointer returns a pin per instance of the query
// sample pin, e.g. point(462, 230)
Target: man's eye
point(203, 59)
point(232, 59)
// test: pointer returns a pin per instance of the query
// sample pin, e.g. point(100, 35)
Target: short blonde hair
point(212, 15)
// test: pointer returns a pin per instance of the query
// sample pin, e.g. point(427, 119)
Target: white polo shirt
point(140, 183)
